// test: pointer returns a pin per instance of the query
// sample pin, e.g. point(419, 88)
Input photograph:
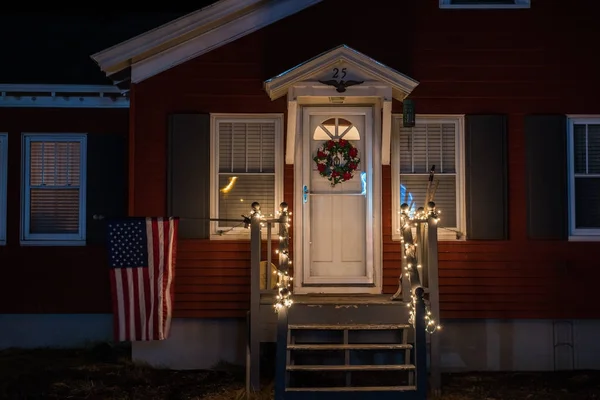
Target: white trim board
point(193, 35)
point(484, 5)
point(62, 96)
point(3, 185)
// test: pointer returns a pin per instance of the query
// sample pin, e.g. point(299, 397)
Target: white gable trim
point(401, 84)
point(109, 59)
point(208, 29)
point(62, 96)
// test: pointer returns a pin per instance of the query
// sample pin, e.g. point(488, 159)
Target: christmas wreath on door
point(337, 160)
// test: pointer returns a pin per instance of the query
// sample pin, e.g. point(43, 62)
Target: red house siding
point(52, 279)
point(514, 62)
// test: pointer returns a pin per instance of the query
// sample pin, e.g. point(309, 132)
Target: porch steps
point(348, 359)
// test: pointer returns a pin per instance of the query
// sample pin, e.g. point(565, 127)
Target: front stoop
point(349, 347)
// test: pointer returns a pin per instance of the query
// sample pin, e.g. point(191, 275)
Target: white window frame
point(3, 185)
point(517, 4)
point(45, 239)
point(215, 119)
point(581, 234)
point(451, 233)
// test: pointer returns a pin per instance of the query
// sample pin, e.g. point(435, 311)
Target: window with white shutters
point(54, 188)
point(485, 4)
point(3, 190)
point(249, 150)
point(584, 176)
point(431, 142)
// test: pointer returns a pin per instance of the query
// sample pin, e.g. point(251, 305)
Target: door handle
point(305, 194)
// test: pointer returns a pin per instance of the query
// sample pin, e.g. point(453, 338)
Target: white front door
point(337, 235)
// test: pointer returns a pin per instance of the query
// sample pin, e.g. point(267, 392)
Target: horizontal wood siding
point(512, 62)
point(52, 279)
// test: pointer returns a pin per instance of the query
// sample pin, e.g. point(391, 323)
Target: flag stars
point(128, 244)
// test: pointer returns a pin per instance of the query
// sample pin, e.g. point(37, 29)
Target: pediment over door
point(341, 63)
point(341, 75)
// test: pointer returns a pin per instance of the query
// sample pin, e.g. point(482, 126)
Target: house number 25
point(336, 73)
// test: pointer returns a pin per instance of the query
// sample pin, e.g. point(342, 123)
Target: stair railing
point(282, 293)
point(420, 271)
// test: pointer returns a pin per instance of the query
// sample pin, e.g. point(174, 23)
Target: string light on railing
point(410, 254)
point(283, 299)
point(430, 325)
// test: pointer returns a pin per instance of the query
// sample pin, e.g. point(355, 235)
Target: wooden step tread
point(400, 367)
point(350, 326)
point(357, 346)
point(354, 389)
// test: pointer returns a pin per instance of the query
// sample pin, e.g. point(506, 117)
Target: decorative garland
point(337, 160)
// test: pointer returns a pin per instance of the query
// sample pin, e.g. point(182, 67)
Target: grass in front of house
point(106, 372)
point(101, 372)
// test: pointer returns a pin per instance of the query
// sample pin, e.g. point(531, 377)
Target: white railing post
point(434, 294)
point(255, 255)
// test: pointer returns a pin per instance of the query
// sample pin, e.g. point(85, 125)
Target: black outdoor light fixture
point(408, 113)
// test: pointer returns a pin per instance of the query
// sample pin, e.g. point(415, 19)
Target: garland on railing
point(284, 293)
point(410, 254)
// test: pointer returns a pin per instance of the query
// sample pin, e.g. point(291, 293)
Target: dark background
point(55, 47)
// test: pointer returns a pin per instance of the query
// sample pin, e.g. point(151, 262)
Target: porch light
point(408, 113)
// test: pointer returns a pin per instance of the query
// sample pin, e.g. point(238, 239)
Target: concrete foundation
point(477, 345)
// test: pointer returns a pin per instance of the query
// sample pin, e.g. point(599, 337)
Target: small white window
point(54, 171)
point(3, 190)
point(434, 140)
point(247, 166)
point(584, 176)
point(483, 4)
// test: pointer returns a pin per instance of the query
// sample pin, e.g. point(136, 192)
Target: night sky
point(55, 48)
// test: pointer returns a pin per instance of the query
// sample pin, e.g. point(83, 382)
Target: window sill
point(585, 238)
point(53, 243)
point(442, 237)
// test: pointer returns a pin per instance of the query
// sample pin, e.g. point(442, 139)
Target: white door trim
point(373, 282)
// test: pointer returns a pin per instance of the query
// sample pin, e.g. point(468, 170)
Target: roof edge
point(56, 88)
point(62, 96)
point(192, 35)
point(161, 35)
point(242, 25)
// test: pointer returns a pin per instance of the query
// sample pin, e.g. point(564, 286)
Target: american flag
point(141, 255)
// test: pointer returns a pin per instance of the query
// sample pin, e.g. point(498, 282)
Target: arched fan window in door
point(335, 129)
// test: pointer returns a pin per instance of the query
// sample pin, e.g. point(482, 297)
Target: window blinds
point(54, 187)
point(246, 168)
point(420, 147)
